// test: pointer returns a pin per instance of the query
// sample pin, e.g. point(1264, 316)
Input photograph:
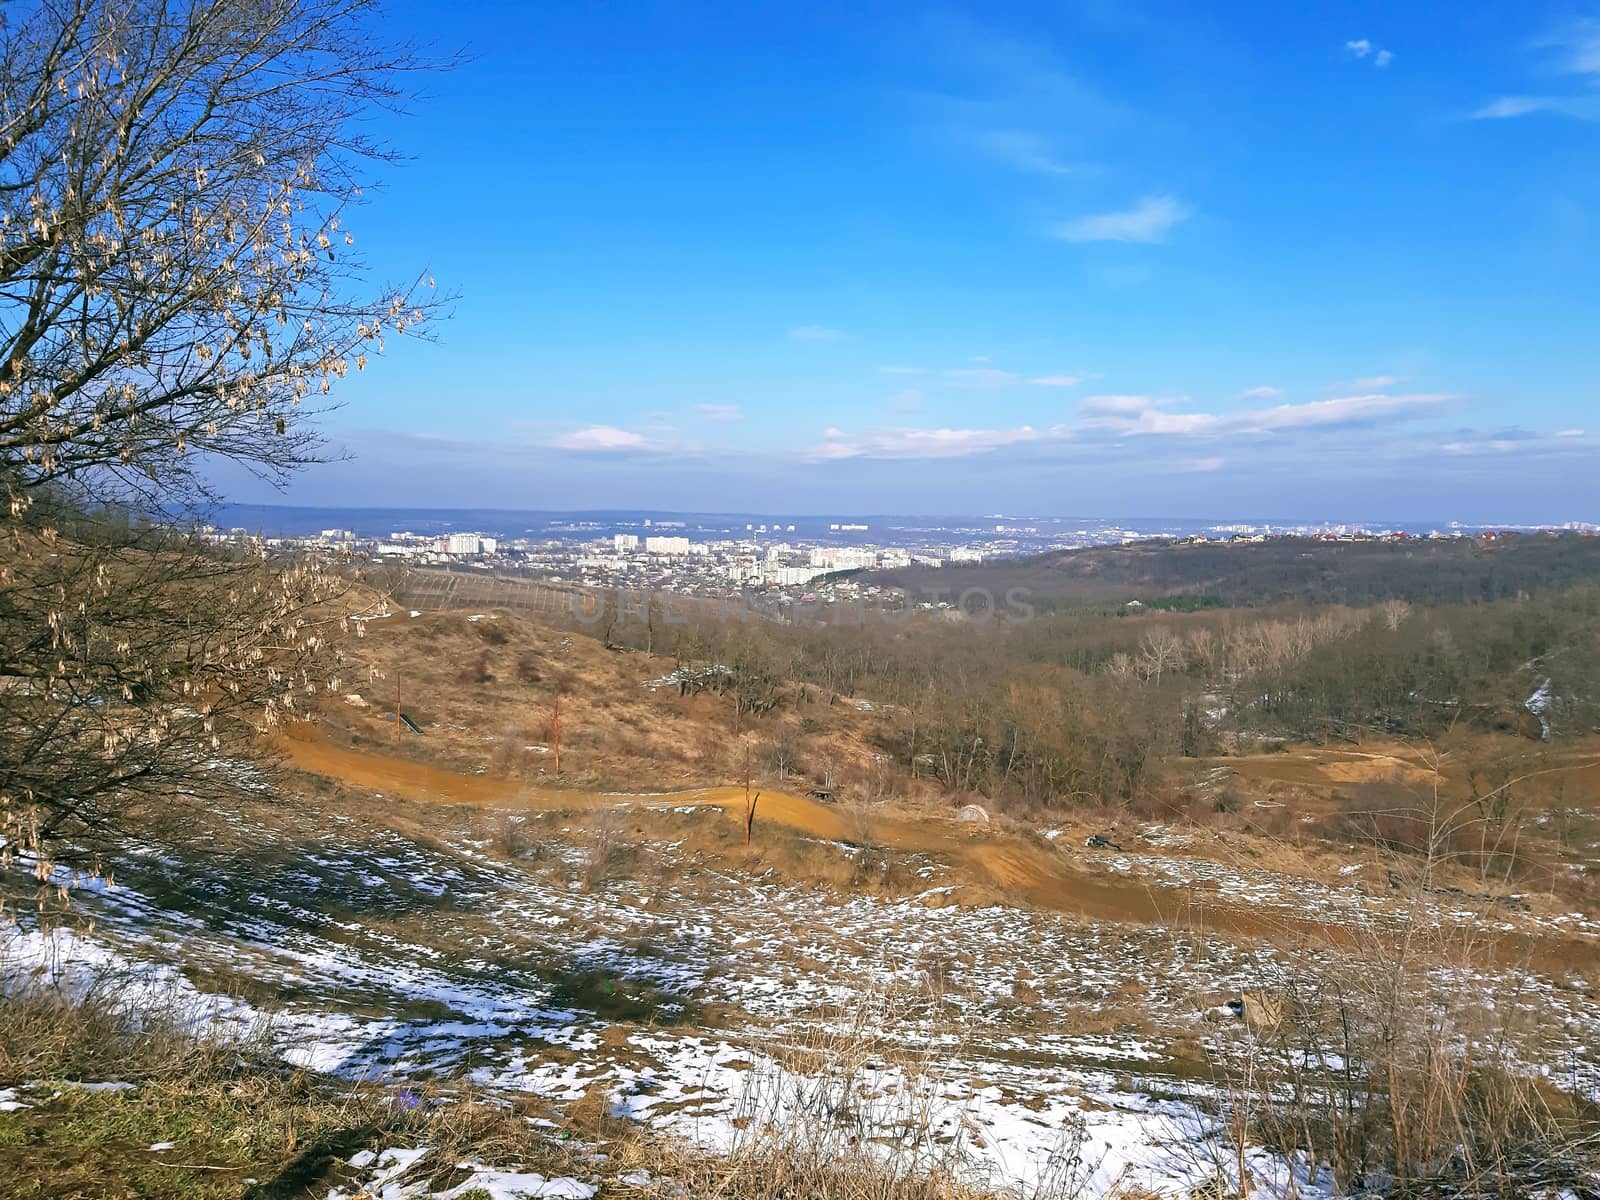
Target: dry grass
point(1377, 1053)
point(850, 1113)
point(105, 1031)
point(813, 1125)
point(483, 692)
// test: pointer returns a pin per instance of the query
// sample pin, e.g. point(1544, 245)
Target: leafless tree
point(177, 287)
point(1161, 651)
point(1395, 613)
point(785, 749)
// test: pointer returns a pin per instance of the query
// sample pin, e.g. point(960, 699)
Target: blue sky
point(1075, 258)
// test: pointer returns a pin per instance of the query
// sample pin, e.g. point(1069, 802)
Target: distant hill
point(1307, 570)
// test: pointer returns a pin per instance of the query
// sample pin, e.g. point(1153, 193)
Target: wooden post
point(555, 731)
point(396, 734)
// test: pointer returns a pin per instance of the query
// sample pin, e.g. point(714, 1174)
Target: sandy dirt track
point(1002, 864)
point(1011, 865)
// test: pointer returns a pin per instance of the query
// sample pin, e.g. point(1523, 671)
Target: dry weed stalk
point(1390, 1066)
point(847, 1110)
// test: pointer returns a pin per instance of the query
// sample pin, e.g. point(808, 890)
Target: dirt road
point(1025, 869)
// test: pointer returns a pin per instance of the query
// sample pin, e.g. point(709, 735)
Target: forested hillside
point(1312, 571)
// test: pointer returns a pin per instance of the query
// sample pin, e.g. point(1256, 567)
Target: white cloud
point(1110, 406)
point(815, 333)
point(920, 443)
point(1582, 108)
point(720, 412)
point(981, 377)
point(1374, 383)
point(1025, 151)
point(1581, 43)
point(1364, 48)
point(600, 437)
point(1059, 381)
point(1514, 106)
point(1148, 221)
point(1134, 416)
point(1154, 421)
point(1118, 417)
point(1344, 410)
point(1577, 49)
point(1261, 393)
point(1514, 440)
point(1013, 101)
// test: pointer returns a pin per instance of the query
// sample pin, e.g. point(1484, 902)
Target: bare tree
point(1161, 651)
point(176, 288)
point(784, 749)
point(1395, 613)
point(1121, 667)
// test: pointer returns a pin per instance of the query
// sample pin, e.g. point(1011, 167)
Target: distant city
point(711, 554)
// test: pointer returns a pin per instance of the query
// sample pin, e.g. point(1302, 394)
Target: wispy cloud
point(1114, 406)
point(1516, 440)
point(720, 412)
point(1014, 101)
point(1575, 51)
point(1136, 416)
point(1025, 151)
point(1584, 108)
point(1512, 106)
point(1376, 383)
point(1108, 424)
point(1261, 393)
point(1147, 221)
point(1578, 46)
point(1363, 48)
point(815, 333)
point(1486, 446)
point(919, 443)
point(600, 437)
point(987, 377)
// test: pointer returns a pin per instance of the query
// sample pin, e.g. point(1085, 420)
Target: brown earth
point(484, 692)
point(996, 864)
point(1007, 863)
